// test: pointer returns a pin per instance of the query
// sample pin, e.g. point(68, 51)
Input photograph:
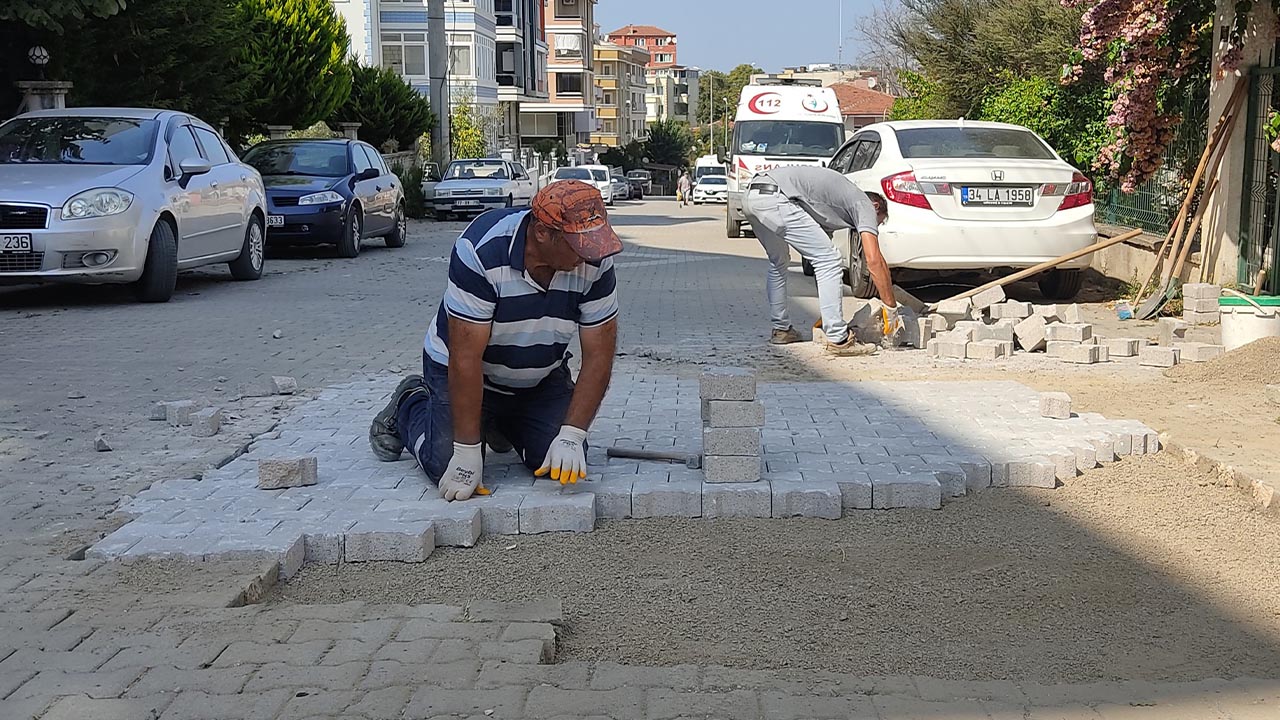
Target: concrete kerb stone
point(905, 490)
point(383, 541)
point(814, 499)
point(737, 500)
point(732, 441)
point(727, 383)
point(731, 468)
point(682, 498)
point(565, 512)
point(733, 413)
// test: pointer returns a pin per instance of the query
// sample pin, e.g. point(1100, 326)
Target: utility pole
point(711, 114)
point(438, 72)
point(840, 37)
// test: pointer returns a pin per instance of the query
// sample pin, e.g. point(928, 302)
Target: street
point(1136, 590)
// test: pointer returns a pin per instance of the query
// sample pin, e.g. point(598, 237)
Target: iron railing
point(1260, 191)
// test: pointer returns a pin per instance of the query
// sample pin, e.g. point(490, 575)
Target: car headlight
point(99, 202)
point(493, 191)
point(320, 198)
point(443, 193)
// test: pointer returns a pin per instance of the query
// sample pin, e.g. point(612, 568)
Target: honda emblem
point(997, 175)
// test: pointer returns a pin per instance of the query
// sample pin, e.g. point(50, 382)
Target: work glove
point(895, 321)
point(566, 458)
point(464, 473)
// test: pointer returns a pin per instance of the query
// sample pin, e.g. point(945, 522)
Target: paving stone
point(271, 676)
point(1033, 472)
point(1069, 332)
point(387, 673)
point(1011, 310)
point(178, 412)
point(1201, 291)
point(1201, 318)
point(938, 323)
point(731, 468)
point(752, 500)
point(1159, 356)
point(613, 495)
point(1083, 354)
point(258, 653)
point(1058, 348)
point(1031, 333)
point(389, 541)
point(499, 512)
point(1201, 305)
point(196, 705)
point(916, 490)
point(206, 422)
point(281, 473)
point(1055, 405)
point(498, 703)
point(731, 441)
point(918, 333)
point(814, 499)
point(779, 705)
point(952, 348)
point(1051, 313)
point(283, 385)
point(84, 708)
point(457, 524)
point(727, 383)
point(672, 499)
point(1071, 314)
point(1169, 330)
point(569, 512)
point(668, 704)
point(984, 350)
point(954, 310)
point(1199, 352)
point(1003, 332)
point(623, 703)
point(988, 297)
point(53, 683)
point(734, 414)
point(1122, 347)
point(169, 679)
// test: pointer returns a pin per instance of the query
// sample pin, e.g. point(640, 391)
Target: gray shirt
point(829, 197)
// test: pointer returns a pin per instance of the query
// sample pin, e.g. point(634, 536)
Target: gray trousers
point(780, 225)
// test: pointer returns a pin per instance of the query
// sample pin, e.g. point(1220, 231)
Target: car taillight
point(1079, 193)
point(904, 189)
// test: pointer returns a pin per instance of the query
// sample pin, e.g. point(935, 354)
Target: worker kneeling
point(495, 364)
point(799, 207)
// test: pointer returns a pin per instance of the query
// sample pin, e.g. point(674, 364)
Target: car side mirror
point(190, 168)
point(367, 174)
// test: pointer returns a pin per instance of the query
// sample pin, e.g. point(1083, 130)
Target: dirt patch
point(1257, 363)
point(1136, 571)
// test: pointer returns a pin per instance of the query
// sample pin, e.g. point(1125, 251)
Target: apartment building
point(672, 92)
point(621, 88)
point(521, 63)
point(568, 114)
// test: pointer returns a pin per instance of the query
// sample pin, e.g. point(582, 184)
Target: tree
point(669, 143)
point(300, 48)
point(628, 157)
point(177, 54)
point(386, 106)
point(55, 15)
point(712, 84)
point(469, 129)
point(921, 98)
point(1070, 118)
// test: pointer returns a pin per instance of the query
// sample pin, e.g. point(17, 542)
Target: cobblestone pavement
point(83, 638)
point(829, 448)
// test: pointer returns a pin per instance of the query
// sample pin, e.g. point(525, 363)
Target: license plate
point(997, 196)
point(275, 221)
point(467, 203)
point(15, 243)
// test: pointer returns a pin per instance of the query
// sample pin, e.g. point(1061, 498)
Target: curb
point(1262, 492)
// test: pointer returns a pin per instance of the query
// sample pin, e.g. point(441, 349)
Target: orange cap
point(577, 210)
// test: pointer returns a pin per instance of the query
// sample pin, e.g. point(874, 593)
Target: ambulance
point(779, 122)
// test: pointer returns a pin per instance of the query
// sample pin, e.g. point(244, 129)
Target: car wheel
point(349, 243)
point(1061, 284)
point(511, 201)
point(858, 277)
point(249, 265)
point(806, 267)
point(732, 228)
point(400, 233)
point(160, 270)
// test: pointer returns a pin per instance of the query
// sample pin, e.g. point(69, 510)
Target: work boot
point(850, 348)
point(784, 337)
point(383, 437)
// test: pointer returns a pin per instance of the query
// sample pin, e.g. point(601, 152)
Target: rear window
point(572, 174)
point(600, 174)
point(972, 142)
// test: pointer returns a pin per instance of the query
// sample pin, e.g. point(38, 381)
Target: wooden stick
point(1048, 264)
point(1225, 121)
point(1195, 226)
point(1262, 280)
point(1211, 184)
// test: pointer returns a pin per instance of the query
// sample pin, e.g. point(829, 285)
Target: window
point(373, 156)
point(867, 153)
point(609, 98)
point(182, 146)
point(840, 163)
point(361, 160)
point(608, 69)
point(663, 58)
point(460, 56)
point(212, 147)
point(609, 127)
point(568, 83)
point(661, 42)
point(787, 138)
point(405, 53)
point(521, 173)
point(78, 140)
point(539, 124)
point(972, 142)
point(568, 45)
point(314, 159)
point(569, 8)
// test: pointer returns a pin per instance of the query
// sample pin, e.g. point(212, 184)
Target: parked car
point(621, 188)
point(645, 179)
point(969, 195)
point(124, 195)
point(470, 187)
point(711, 189)
point(325, 192)
point(573, 173)
point(600, 178)
point(637, 188)
point(430, 179)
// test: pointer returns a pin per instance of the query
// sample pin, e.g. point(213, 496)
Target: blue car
point(329, 192)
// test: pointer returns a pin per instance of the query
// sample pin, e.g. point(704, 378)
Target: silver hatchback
point(123, 195)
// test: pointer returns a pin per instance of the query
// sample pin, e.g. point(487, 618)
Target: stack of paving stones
point(1200, 303)
point(990, 327)
point(827, 449)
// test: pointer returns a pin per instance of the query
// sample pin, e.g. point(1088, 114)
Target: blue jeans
point(529, 420)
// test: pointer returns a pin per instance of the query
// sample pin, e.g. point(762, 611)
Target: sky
point(719, 34)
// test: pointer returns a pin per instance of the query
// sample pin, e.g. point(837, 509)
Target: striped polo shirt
point(531, 328)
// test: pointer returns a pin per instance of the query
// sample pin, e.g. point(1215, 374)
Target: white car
point(470, 187)
point(620, 187)
point(711, 189)
point(573, 172)
point(600, 178)
point(969, 196)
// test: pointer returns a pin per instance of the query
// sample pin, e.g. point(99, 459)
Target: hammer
point(691, 460)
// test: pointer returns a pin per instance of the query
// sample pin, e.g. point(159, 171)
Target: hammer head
point(694, 462)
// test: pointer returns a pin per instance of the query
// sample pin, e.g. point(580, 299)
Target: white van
point(779, 123)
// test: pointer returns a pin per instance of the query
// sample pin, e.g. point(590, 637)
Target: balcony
point(680, 109)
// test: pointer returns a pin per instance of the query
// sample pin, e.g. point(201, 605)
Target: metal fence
point(1260, 191)
point(1154, 205)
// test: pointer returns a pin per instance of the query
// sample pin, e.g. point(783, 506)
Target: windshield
point(313, 159)
point(972, 142)
point(712, 180)
point(467, 169)
point(572, 174)
point(787, 138)
point(600, 175)
point(77, 141)
point(639, 175)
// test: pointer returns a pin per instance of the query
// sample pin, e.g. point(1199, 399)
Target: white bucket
point(1243, 322)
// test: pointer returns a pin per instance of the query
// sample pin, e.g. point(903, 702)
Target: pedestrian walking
point(800, 207)
point(684, 186)
point(522, 283)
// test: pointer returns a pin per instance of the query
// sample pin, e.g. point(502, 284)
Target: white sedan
point(969, 196)
point(711, 189)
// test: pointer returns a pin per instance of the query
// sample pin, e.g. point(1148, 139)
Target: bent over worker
point(799, 207)
point(522, 283)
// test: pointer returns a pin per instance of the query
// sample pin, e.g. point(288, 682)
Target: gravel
point(1137, 571)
